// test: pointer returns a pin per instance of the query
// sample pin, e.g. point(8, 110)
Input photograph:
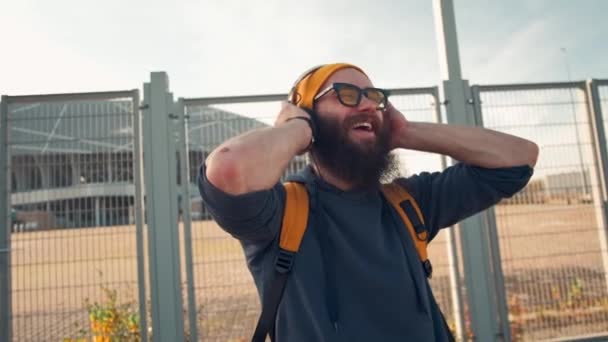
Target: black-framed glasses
point(350, 95)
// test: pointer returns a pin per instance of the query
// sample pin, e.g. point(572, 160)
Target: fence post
point(498, 281)
point(161, 210)
point(452, 250)
point(600, 171)
point(474, 235)
point(187, 215)
point(5, 226)
point(138, 200)
point(474, 238)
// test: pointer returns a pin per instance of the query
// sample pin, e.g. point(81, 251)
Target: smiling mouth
point(363, 126)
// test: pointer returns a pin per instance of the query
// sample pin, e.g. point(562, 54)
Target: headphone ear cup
point(294, 97)
point(313, 117)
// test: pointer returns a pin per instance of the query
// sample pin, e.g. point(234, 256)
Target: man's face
point(353, 142)
point(355, 121)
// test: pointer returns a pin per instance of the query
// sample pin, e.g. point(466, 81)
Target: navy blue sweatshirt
point(353, 278)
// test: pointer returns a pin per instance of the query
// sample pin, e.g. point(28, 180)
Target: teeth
point(365, 125)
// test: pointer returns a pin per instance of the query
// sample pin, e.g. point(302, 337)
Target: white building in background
point(72, 163)
point(570, 186)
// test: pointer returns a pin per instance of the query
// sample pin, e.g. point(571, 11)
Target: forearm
point(256, 160)
point(472, 145)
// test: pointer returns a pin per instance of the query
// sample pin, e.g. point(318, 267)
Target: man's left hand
point(399, 125)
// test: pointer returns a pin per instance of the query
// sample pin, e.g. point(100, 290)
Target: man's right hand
point(287, 113)
point(257, 159)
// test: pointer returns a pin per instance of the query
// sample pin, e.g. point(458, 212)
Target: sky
point(228, 47)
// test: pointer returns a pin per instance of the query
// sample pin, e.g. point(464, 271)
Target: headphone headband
point(292, 96)
point(309, 83)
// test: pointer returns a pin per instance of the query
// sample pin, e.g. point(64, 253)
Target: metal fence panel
point(227, 302)
point(73, 175)
point(186, 219)
point(551, 257)
point(72, 192)
point(425, 108)
point(226, 298)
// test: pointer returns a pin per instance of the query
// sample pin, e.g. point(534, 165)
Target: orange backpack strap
point(295, 220)
point(295, 217)
point(411, 215)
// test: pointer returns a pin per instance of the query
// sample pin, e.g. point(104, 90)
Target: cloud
point(231, 47)
point(520, 41)
point(73, 46)
point(519, 56)
point(37, 61)
point(266, 47)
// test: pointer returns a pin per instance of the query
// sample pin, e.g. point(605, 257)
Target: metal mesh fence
point(73, 240)
point(423, 107)
point(603, 97)
point(555, 279)
point(226, 297)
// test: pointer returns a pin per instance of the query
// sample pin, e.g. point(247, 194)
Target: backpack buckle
point(428, 268)
point(284, 261)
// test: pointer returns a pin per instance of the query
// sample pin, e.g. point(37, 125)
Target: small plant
point(110, 321)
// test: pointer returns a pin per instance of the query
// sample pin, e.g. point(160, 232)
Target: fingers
point(390, 108)
point(288, 111)
point(394, 112)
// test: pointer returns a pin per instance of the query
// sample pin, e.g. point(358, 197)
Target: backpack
point(295, 221)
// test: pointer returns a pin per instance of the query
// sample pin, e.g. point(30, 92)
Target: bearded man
point(355, 278)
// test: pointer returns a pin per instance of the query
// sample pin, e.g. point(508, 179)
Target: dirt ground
point(53, 272)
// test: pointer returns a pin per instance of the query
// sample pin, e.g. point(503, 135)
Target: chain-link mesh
point(423, 108)
point(552, 262)
point(73, 241)
point(227, 302)
point(73, 235)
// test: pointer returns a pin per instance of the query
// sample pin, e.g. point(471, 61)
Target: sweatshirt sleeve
point(252, 217)
point(461, 190)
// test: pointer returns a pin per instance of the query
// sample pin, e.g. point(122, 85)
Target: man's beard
point(364, 164)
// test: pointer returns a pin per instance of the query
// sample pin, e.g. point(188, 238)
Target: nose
point(367, 105)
